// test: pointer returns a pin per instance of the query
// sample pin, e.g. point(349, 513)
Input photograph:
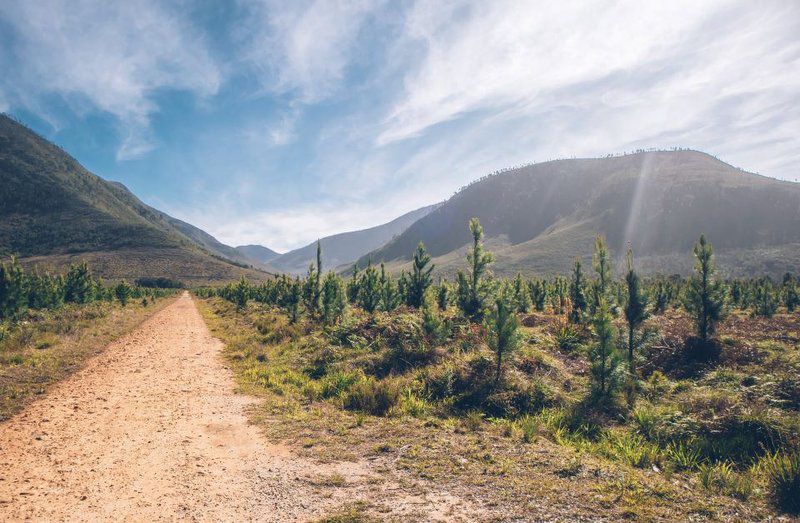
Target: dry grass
point(50, 345)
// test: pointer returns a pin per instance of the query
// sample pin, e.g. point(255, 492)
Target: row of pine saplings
point(480, 297)
point(21, 291)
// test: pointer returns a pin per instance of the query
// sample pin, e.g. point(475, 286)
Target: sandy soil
point(152, 430)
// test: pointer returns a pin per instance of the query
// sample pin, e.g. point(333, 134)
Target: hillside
point(538, 218)
point(345, 248)
point(257, 253)
point(54, 212)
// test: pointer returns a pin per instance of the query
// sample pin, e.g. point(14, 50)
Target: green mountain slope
point(53, 211)
point(345, 248)
point(538, 218)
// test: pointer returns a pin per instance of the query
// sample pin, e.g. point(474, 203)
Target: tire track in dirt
point(151, 430)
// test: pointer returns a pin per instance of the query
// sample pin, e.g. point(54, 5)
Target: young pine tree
point(765, 300)
point(577, 294)
point(791, 296)
point(606, 371)
point(240, 294)
point(635, 308)
point(294, 294)
point(421, 269)
point(442, 295)
point(79, 285)
point(13, 290)
point(473, 289)
point(522, 298)
point(390, 298)
point(369, 289)
point(503, 337)
point(705, 296)
point(601, 263)
point(352, 286)
point(538, 292)
point(333, 299)
point(123, 291)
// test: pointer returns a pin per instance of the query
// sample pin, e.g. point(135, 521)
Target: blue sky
point(278, 122)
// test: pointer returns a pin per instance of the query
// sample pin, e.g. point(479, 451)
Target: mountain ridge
point(55, 212)
point(539, 217)
point(346, 247)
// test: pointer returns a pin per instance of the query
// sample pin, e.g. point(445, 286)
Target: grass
point(50, 345)
point(377, 389)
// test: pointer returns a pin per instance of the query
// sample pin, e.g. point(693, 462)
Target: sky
point(278, 122)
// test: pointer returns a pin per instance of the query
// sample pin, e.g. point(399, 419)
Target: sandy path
point(152, 430)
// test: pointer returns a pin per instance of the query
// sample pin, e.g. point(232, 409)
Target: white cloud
point(111, 56)
point(305, 46)
point(284, 229)
point(492, 56)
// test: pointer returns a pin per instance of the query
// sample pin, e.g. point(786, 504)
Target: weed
point(371, 396)
point(783, 472)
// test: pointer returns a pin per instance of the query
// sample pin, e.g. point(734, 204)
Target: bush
point(372, 396)
point(567, 337)
point(783, 471)
point(628, 448)
point(337, 383)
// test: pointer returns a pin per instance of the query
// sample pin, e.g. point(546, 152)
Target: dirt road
point(152, 430)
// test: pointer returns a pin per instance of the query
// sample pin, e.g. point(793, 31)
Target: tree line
point(591, 302)
point(21, 291)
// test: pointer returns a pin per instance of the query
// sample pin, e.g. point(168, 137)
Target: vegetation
point(728, 421)
point(51, 323)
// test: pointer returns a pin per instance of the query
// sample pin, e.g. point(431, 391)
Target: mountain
point(54, 212)
point(345, 248)
point(538, 218)
point(257, 253)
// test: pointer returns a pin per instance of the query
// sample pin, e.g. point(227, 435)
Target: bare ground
point(151, 430)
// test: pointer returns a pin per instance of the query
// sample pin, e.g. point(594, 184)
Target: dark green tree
point(602, 265)
point(369, 297)
point(79, 285)
point(390, 297)
point(791, 296)
point(606, 371)
point(577, 294)
point(294, 294)
point(635, 308)
point(503, 337)
point(522, 298)
point(333, 299)
point(538, 292)
point(765, 299)
point(473, 289)
point(442, 294)
point(240, 294)
point(421, 268)
point(352, 286)
point(123, 291)
point(13, 289)
point(705, 297)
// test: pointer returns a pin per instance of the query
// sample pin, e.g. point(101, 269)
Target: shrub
point(337, 383)
point(567, 337)
point(628, 448)
point(684, 455)
point(412, 404)
point(783, 472)
point(372, 396)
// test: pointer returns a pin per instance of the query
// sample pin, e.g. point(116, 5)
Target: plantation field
point(697, 442)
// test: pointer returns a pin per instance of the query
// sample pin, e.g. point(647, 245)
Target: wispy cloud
point(107, 56)
point(304, 47)
point(323, 116)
